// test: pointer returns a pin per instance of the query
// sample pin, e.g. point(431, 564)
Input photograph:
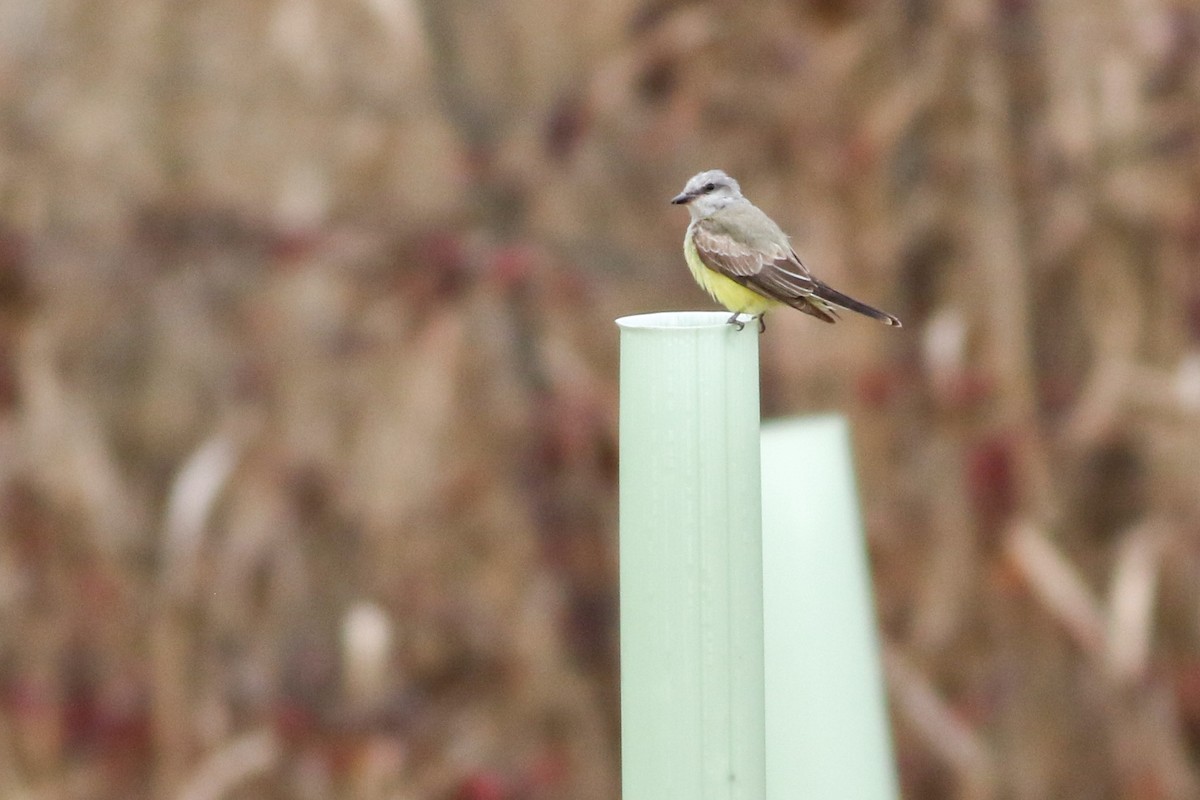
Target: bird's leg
point(762, 323)
point(733, 320)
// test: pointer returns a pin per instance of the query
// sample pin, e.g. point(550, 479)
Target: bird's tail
point(836, 298)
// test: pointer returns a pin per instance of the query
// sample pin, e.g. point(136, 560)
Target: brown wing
point(774, 270)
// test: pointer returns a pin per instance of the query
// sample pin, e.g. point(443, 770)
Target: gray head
point(708, 192)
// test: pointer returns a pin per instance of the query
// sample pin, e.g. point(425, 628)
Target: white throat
point(705, 206)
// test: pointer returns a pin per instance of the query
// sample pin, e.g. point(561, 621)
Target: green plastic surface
point(827, 725)
point(691, 560)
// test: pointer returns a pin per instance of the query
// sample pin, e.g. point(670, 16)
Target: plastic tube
point(827, 725)
point(692, 715)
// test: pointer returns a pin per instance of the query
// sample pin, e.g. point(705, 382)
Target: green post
point(827, 725)
point(691, 560)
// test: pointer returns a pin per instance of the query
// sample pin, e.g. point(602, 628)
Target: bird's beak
point(680, 199)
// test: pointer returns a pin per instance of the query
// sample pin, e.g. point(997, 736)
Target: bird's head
point(707, 193)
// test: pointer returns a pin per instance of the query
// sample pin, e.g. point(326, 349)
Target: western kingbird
point(744, 260)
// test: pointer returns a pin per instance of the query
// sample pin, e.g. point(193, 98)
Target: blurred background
point(308, 377)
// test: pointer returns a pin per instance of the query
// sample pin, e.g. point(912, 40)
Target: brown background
point(308, 376)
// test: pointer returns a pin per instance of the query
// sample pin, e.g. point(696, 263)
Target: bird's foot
point(762, 323)
point(733, 320)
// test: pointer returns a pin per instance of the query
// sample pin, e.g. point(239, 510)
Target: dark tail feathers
point(844, 301)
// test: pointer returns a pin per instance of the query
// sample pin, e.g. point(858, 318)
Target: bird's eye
point(708, 187)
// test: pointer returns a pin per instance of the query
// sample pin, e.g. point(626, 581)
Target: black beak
point(680, 199)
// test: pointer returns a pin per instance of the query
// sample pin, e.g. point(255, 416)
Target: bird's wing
point(744, 245)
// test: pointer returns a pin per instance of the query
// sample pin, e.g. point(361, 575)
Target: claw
point(762, 323)
point(733, 320)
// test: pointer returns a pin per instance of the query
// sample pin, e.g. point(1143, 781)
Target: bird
point(746, 262)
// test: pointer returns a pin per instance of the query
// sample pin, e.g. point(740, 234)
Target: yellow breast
point(732, 295)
